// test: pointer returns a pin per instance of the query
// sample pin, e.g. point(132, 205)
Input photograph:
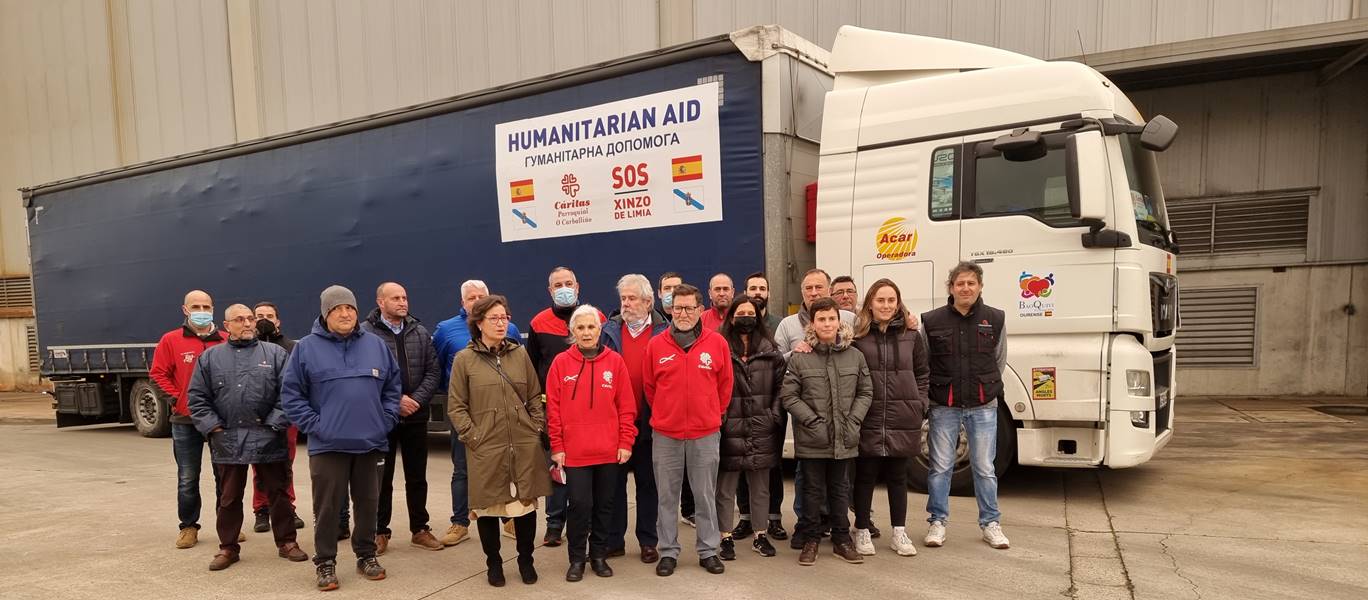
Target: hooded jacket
point(173, 362)
point(343, 392)
point(236, 387)
point(688, 391)
point(751, 439)
point(590, 407)
point(900, 372)
point(794, 328)
point(418, 368)
point(828, 391)
point(500, 419)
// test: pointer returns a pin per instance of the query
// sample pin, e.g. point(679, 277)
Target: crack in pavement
point(1176, 570)
point(1072, 592)
point(1116, 542)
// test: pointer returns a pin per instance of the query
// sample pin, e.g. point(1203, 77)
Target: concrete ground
point(1253, 499)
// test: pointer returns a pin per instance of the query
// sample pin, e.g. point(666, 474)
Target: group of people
point(693, 401)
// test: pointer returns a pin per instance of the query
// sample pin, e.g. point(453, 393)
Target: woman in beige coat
point(497, 408)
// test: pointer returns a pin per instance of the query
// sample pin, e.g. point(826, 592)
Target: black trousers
point(647, 502)
point(407, 441)
point(332, 474)
point(869, 471)
point(826, 483)
point(591, 509)
point(274, 478)
point(524, 529)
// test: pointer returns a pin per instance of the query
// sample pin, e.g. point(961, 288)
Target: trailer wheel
point(962, 477)
point(151, 410)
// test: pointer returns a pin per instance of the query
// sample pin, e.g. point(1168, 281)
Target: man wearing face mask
point(268, 326)
point(268, 330)
point(550, 336)
point(668, 282)
point(172, 364)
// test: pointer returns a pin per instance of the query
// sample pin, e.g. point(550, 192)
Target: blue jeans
point(187, 445)
point(460, 485)
point(980, 426)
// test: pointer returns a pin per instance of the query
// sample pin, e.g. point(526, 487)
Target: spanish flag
point(687, 168)
point(521, 190)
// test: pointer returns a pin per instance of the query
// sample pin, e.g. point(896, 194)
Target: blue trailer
point(418, 196)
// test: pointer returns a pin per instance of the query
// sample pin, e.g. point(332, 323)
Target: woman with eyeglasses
point(496, 406)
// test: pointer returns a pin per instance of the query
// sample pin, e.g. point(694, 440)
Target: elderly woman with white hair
point(591, 413)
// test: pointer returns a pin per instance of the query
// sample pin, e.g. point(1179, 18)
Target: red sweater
point(590, 407)
point(634, 354)
point(174, 360)
point(688, 391)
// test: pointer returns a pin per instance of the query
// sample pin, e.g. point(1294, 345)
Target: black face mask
point(759, 302)
point(265, 328)
point(744, 324)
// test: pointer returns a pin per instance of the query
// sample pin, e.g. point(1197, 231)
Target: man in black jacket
point(412, 347)
point(968, 344)
point(268, 330)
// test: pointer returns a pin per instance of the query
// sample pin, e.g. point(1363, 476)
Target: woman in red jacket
point(591, 416)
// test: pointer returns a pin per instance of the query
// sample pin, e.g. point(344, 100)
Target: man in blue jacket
point(342, 388)
point(450, 337)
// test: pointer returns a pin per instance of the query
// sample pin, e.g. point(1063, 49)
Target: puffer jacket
point(418, 370)
point(750, 430)
point(900, 370)
point(343, 392)
point(236, 387)
point(828, 391)
point(500, 422)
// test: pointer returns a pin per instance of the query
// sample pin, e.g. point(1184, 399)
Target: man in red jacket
point(172, 364)
point(688, 386)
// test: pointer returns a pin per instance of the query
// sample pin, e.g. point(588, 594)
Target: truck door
point(905, 224)
point(1058, 295)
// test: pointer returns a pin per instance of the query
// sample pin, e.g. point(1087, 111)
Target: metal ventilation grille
point(1219, 327)
point(35, 363)
point(1232, 225)
point(16, 292)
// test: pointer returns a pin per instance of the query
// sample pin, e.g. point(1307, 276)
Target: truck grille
point(1163, 304)
point(1163, 398)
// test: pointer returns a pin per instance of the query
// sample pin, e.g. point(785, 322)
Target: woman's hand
point(624, 456)
point(559, 459)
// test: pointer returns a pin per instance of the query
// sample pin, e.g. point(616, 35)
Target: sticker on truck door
point(896, 240)
point(1043, 383)
point(1035, 295)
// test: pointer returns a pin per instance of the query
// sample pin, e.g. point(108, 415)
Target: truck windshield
point(1147, 197)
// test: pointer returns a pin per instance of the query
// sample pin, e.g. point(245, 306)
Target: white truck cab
point(1043, 173)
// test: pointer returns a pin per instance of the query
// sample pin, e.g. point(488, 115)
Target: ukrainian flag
point(521, 190)
point(687, 168)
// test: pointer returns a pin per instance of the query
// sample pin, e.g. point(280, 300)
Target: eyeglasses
point(685, 309)
point(843, 293)
point(242, 320)
point(500, 319)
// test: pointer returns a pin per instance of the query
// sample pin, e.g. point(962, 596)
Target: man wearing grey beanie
point(342, 388)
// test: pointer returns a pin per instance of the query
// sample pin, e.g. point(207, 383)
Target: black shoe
point(728, 551)
point(616, 552)
point(552, 537)
point(263, 522)
point(742, 530)
point(776, 530)
point(600, 567)
point(796, 543)
point(343, 532)
point(575, 572)
point(666, 566)
point(298, 522)
point(327, 576)
point(826, 532)
point(689, 520)
point(496, 576)
point(762, 545)
point(529, 574)
point(713, 565)
point(874, 532)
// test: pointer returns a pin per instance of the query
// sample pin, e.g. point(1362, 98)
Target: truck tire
point(962, 478)
point(151, 410)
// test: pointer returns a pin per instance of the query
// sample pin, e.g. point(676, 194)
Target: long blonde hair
point(865, 320)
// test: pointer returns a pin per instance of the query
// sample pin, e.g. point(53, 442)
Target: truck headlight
point(1137, 382)
point(1140, 418)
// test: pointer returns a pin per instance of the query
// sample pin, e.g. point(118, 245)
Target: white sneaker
point(992, 534)
point(901, 543)
point(864, 543)
point(935, 535)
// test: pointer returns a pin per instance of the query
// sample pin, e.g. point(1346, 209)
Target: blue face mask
point(201, 319)
point(564, 297)
point(667, 300)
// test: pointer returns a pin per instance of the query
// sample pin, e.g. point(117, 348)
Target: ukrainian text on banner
point(649, 161)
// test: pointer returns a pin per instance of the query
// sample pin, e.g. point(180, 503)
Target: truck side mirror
point(1159, 133)
point(1085, 160)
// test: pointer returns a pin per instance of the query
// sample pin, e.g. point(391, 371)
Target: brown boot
point(649, 554)
point(425, 540)
point(292, 552)
point(808, 556)
point(455, 534)
point(188, 537)
point(846, 551)
point(381, 543)
point(223, 560)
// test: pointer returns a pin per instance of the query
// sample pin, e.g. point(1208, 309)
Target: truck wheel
point(150, 409)
point(962, 477)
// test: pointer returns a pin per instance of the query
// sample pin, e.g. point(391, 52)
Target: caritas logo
point(896, 240)
point(1034, 286)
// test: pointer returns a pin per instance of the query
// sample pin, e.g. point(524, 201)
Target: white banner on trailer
point(649, 161)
